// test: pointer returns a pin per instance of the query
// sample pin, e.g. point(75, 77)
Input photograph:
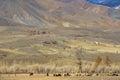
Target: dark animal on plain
point(31, 74)
point(115, 74)
point(47, 74)
point(44, 32)
point(57, 74)
point(66, 74)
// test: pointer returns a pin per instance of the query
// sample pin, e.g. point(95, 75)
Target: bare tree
point(108, 61)
point(97, 63)
point(79, 55)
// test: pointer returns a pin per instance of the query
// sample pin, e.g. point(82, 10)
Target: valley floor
point(44, 77)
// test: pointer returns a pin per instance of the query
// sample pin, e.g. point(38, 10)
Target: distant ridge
point(109, 3)
point(52, 13)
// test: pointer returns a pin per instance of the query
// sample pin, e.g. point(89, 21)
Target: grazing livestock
point(97, 43)
point(31, 74)
point(95, 74)
point(57, 74)
point(112, 73)
point(115, 74)
point(47, 74)
point(78, 74)
point(66, 74)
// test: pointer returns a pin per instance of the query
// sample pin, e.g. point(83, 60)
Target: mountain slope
point(21, 12)
point(110, 3)
point(67, 13)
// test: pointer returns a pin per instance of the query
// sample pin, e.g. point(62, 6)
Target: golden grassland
point(71, 46)
point(60, 54)
point(44, 77)
point(42, 53)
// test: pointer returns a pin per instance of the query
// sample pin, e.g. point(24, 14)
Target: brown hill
point(67, 13)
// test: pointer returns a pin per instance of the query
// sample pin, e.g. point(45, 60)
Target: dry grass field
point(55, 50)
point(44, 77)
point(69, 36)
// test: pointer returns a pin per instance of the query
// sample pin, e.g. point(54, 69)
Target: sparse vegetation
point(107, 61)
point(79, 55)
point(97, 63)
point(56, 53)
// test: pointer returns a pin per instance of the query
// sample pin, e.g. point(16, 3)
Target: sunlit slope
point(73, 13)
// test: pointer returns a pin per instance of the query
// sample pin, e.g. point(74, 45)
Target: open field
point(44, 77)
point(69, 36)
point(54, 50)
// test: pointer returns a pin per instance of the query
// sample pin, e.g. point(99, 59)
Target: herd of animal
point(77, 74)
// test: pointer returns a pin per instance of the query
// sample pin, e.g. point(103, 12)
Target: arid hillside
point(40, 35)
point(51, 13)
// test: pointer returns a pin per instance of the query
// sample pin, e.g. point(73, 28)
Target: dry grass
point(44, 77)
point(2, 28)
point(14, 51)
point(60, 56)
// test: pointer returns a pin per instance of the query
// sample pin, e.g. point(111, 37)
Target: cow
point(115, 74)
point(47, 74)
point(66, 74)
point(31, 74)
point(57, 74)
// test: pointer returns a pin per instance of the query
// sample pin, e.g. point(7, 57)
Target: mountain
point(67, 13)
point(52, 32)
point(110, 3)
point(14, 12)
point(114, 11)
